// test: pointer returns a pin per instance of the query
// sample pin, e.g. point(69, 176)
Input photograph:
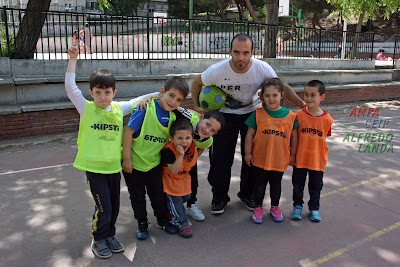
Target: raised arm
point(176, 166)
point(292, 96)
point(73, 92)
point(197, 84)
point(73, 53)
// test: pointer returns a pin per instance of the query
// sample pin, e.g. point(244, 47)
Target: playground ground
point(46, 208)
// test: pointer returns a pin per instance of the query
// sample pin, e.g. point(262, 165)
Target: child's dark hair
point(179, 84)
point(276, 82)
point(180, 124)
point(102, 79)
point(218, 116)
point(316, 83)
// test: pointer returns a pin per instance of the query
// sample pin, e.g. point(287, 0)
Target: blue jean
point(177, 209)
point(315, 184)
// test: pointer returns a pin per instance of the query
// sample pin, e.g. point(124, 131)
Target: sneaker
point(167, 227)
point(218, 207)
point(142, 232)
point(100, 249)
point(296, 214)
point(114, 245)
point(195, 213)
point(185, 232)
point(257, 215)
point(250, 204)
point(276, 214)
point(314, 216)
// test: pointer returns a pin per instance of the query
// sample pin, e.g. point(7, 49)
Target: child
point(178, 157)
point(205, 126)
point(312, 153)
point(82, 41)
point(75, 38)
point(270, 146)
point(99, 150)
point(144, 136)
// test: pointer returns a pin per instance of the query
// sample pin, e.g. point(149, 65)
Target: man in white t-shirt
point(240, 77)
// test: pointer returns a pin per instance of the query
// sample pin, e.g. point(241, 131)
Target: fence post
point(148, 37)
point(7, 34)
point(320, 40)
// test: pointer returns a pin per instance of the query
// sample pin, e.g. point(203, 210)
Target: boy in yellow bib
point(99, 150)
point(312, 152)
point(144, 136)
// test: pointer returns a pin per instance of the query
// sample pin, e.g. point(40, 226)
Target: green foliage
point(120, 7)
point(370, 7)
point(3, 39)
point(309, 7)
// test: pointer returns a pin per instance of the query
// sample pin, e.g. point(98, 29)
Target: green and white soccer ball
point(212, 98)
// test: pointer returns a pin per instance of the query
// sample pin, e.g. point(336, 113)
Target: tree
point(180, 8)
point(364, 9)
point(31, 27)
point(313, 7)
point(120, 7)
point(271, 29)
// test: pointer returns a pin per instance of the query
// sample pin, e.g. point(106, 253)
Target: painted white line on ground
point(35, 169)
point(354, 245)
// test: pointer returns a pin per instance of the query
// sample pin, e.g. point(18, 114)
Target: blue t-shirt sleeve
point(136, 120)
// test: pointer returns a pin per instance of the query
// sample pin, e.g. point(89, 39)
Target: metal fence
point(396, 52)
point(121, 37)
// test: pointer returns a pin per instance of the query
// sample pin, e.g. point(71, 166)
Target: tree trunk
point(221, 11)
point(315, 20)
point(271, 29)
point(239, 10)
point(353, 53)
point(31, 27)
point(251, 10)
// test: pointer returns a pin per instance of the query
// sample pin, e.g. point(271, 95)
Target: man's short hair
point(216, 115)
point(317, 83)
point(179, 84)
point(243, 37)
point(102, 79)
point(180, 124)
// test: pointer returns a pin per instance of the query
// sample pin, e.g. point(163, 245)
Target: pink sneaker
point(257, 215)
point(276, 214)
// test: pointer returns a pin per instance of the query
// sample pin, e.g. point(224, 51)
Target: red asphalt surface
point(46, 213)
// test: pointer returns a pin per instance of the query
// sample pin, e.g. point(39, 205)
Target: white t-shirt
point(79, 101)
point(241, 88)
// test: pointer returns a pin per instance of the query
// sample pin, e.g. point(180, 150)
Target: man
point(240, 77)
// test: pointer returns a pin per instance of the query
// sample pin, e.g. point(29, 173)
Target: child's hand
point(127, 166)
point(180, 150)
point(73, 51)
point(200, 110)
point(292, 160)
point(249, 159)
point(142, 104)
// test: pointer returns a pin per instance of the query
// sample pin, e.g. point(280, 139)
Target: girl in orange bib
point(270, 146)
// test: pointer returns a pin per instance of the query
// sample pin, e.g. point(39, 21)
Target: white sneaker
point(195, 213)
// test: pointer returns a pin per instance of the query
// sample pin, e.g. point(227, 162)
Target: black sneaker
point(218, 207)
point(142, 232)
point(250, 204)
point(167, 226)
